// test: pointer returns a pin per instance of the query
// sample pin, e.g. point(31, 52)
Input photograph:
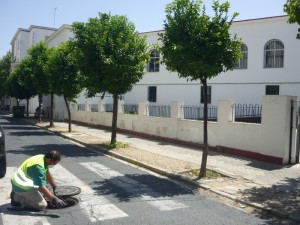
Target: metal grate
point(159, 110)
point(247, 113)
point(195, 112)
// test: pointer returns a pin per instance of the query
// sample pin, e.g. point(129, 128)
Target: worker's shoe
point(12, 201)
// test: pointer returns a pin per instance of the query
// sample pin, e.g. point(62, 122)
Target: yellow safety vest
point(22, 179)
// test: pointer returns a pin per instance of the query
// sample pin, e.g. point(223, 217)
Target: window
point(272, 89)
point(208, 94)
point(243, 62)
point(274, 54)
point(153, 66)
point(152, 93)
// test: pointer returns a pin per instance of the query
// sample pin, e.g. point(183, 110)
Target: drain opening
point(71, 201)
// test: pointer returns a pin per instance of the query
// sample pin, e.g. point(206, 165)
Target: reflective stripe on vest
point(21, 178)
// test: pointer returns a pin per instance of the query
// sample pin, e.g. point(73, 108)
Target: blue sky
point(147, 15)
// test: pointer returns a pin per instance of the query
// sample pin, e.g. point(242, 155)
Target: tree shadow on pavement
point(66, 150)
point(126, 188)
point(283, 197)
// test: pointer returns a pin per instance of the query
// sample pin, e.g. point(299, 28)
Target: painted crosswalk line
point(128, 184)
point(95, 206)
point(11, 217)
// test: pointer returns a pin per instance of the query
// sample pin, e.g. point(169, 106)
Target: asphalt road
point(112, 192)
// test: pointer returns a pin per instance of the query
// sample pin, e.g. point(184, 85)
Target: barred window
point(274, 54)
point(153, 66)
point(272, 89)
point(152, 93)
point(243, 62)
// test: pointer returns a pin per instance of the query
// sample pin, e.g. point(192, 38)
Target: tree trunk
point(114, 121)
point(205, 150)
point(69, 114)
point(27, 103)
point(40, 108)
point(51, 110)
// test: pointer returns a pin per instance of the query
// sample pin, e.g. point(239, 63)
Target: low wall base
point(251, 155)
point(222, 149)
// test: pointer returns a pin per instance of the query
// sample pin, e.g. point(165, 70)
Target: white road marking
point(14, 217)
point(96, 207)
point(162, 203)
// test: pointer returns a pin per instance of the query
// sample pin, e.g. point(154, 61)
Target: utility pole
point(54, 15)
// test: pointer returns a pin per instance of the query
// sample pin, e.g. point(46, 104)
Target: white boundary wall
point(269, 141)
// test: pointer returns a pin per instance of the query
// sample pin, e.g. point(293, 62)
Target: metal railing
point(81, 107)
point(94, 108)
point(195, 112)
point(159, 110)
point(130, 108)
point(108, 107)
point(247, 113)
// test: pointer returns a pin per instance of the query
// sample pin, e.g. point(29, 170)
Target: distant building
point(21, 42)
point(270, 66)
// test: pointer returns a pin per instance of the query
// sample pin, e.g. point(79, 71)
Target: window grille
point(153, 66)
point(272, 89)
point(152, 94)
point(274, 54)
point(243, 62)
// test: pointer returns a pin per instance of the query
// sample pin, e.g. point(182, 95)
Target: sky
point(147, 15)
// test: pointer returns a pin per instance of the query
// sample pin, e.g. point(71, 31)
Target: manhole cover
point(65, 191)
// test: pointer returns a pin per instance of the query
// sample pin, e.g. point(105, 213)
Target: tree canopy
point(37, 59)
point(18, 84)
point(292, 8)
point(5, 67)
point(63, 73)
point(199, 47)
point(111, 56)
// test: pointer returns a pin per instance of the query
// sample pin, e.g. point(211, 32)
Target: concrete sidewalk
point(262, 185)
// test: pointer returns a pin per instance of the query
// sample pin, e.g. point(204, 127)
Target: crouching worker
point(29, 182)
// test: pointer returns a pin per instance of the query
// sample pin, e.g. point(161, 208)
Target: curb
point(177, 177)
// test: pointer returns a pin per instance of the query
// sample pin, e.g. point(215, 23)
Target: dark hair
point(54, 155)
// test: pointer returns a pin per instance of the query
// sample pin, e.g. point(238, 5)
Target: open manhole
point(66, 193)
point(70, 201)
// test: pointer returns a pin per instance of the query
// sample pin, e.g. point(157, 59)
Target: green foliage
point(18, 83)
point(64, 78)
point(195, 45)
point(210, 174)
point(111, 54)
point(116, 145)
point(292, 8)
point(37, 59)
point(199, 47)
point(111, 57)
point(5, 65)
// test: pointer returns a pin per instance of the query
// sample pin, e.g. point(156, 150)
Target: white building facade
point(270, 66)
point(21, 42)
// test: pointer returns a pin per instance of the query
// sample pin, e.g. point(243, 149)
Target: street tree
point(64, 75)
point(199, 47)
point(37, 59)
point(292, 8)
point(5, 67)
point(112, 57)
point(19, 86)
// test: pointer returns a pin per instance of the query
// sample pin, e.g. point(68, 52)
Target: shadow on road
point(127, 187)
point(284, 197)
